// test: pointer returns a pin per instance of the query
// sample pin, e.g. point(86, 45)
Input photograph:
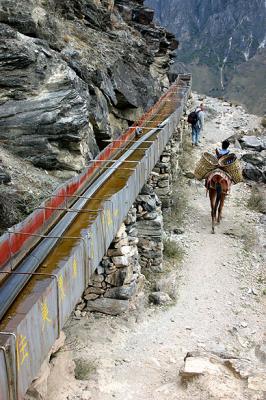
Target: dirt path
point(219, 308)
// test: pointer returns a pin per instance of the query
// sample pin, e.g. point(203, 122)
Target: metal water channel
point(33, 322)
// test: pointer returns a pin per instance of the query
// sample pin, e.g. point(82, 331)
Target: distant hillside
point(222, 43)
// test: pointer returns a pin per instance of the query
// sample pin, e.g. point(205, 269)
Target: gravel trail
point(219, 307)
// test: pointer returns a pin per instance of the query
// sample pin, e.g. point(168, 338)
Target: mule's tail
point(218, 189)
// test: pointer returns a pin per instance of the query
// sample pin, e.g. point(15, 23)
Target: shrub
point(84, 369)
point(257, 200)
point(172, 250)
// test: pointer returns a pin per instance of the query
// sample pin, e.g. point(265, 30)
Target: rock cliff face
point(223, 43)
point(75, 73)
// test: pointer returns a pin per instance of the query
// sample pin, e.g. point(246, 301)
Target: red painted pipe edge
point(36, 223)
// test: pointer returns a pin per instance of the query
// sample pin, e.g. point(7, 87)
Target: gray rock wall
point(76, 73)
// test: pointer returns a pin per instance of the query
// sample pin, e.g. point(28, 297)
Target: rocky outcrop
point(76, 73)
point(254, 157)
point(22, 188)
point(223, 376)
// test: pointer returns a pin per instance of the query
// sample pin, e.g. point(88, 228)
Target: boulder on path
point(222, 377)
point(108, 306)
point(251, 172)
point(256, 159)
point(252, 142)
point(198, 364)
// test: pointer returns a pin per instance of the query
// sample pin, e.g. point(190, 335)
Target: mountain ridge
point(222, 60)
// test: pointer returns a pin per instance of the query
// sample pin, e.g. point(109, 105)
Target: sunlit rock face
point(222, 43)
point(74, 73)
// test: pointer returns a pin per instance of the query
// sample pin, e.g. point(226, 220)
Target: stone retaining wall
point(118, 276)
point(138, 246)
point(150, 230)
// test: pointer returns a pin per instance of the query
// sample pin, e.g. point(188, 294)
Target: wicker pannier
point(206, 164)
point(231, 165)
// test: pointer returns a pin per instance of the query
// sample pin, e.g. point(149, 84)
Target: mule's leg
point(212, 195)
point(221, 208)
point(218, 190)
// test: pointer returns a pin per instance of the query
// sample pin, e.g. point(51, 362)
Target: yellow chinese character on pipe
point(45, 314)
point(21, 350)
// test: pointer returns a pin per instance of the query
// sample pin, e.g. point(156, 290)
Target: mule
point(218, 185)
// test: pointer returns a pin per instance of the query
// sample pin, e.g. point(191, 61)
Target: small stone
point(91, 296)
point(198, 365)
point(80, 306)
point(97, 279)
point(100, 270)
point(244, 324)
point(94, 290)
point(178, 231)
point(189, 175)
point(121, 261)
point(77, 313)
point(159, 298)
point(120, 243)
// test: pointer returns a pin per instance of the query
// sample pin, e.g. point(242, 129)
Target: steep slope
point(218, 40)
point(75, 73)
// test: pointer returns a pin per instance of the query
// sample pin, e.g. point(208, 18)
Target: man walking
point(196, 118)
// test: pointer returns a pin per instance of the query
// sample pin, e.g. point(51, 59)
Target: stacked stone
point(138, 245)
point(116, 279)
point(150, 230)
point(165, 171)
point(161, 177)
point(155, 196)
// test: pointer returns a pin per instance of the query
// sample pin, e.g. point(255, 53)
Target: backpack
point(193, 117)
